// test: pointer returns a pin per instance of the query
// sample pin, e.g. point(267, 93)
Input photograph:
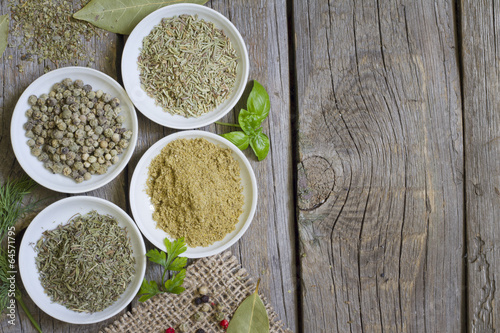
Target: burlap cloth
point(227, 283)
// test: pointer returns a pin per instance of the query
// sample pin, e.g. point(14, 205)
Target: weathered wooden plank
point(481, 81)
point(267, 248)
point(380, 173)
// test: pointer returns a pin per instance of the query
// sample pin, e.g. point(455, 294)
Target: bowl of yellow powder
point(196, 185)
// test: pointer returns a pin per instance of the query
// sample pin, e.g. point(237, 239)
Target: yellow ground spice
point(196, 190)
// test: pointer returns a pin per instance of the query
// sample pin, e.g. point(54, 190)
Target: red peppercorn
point(224, 323)
point(170, 330)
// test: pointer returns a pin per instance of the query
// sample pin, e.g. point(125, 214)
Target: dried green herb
point(12, 193)
point(48, 30)
point(122, 16)
point(170, 261)
point(187, 65)
point(250, 121)
point(87, 263)
point(251, 316)
point(4, 32)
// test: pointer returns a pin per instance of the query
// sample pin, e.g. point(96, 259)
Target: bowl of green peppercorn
point(74, 130)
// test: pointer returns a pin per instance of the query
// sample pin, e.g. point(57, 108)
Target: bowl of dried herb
point(194, 185)
point(74, 129)
point(82, 260)
point(185, 66)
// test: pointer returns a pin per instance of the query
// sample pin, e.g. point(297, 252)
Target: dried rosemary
point(87, 263)
point(187, 65)
point(195, 188)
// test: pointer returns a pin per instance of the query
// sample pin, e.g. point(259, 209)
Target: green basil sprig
point(250, 121)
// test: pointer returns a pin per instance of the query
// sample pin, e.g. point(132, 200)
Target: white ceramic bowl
point(130, 71)
point(59, 213)
point(35, 168)
point(142, 208)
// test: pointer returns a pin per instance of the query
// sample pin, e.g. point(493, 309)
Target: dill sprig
point(4, 282)
point(12, 193)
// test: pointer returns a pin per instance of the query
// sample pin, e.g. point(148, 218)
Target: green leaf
point(251, 316)
point(258, 101)
point(260, 145)
point(4, 32)
point(149, 289)
point(174, 284)
point(249, 122)
point(174, 248)
point(122, 16)
point(238, 138)
point(178, 264)
point(157, 257)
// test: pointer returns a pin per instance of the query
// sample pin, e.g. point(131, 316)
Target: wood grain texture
point(380, 168)
point(267, 249)
point(481, 82)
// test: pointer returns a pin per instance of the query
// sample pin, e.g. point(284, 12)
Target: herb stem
point(163, 277)
point(28, 313)
point(227, 124)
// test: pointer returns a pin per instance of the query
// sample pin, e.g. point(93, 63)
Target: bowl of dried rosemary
point(74, 129)
point(194, 185)
point(82, 260)
point(185, 66)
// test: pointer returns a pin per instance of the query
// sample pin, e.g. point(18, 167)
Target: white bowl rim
point(131, 228)
point(141, 165)
point(85, 186)
point(151, 20)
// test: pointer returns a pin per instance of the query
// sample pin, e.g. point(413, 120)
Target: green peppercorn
point(219, 316)
point(67, 82)
point(74, 131)
point(32, 100)
point(78, 83)
point(183, 328)
point(198, 316)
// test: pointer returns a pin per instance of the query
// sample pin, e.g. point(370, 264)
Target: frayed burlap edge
point(228, 284)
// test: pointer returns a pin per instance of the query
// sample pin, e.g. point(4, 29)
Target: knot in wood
point(315, 182)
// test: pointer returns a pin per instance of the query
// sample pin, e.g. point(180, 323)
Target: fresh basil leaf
point(260, 145)
point(258, 101)
point(174, 284)
point(174, 248)
point(238, 138)
point(149, 289)
point(249, 122)
point(178, 264)
point(157, 257)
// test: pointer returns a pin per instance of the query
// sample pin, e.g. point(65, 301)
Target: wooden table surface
point(379, 202)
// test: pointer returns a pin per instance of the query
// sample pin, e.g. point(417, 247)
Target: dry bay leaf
point(251, 316)
point(122, 16)
point(4, 32)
